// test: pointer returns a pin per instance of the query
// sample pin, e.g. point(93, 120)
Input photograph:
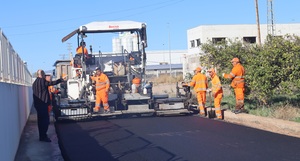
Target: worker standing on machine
point(136, 83)
point(217, 91)
point(199, 82)
point(102, 89)
point(81, 50)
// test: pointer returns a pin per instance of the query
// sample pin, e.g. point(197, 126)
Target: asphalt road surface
point(181, 138)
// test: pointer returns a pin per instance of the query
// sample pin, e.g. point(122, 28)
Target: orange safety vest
point(237, 75)
point(79, 50)
point(216, 86)
point(199, 82)
point(102, 82)
point(136, 81)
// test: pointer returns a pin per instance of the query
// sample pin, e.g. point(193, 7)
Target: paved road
point(181, 138)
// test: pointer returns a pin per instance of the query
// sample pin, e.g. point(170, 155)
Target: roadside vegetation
point(272, 74)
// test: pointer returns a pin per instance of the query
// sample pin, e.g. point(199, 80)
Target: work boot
point(107, 111)
point(236, 111)
point(96, 110)
point(202, 114)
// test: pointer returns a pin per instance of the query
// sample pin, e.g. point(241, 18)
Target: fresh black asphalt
point(180, 138)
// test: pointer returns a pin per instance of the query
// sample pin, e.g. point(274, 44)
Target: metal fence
point(12, 68)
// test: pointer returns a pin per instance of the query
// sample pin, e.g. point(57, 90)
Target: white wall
point(16, 102)
point(15, 98)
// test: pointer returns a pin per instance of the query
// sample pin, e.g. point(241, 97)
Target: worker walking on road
point(102, 89)
point(217, 91)
point(199, 82)
point(237, 75)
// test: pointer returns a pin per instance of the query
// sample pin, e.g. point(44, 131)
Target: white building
point(202, 34)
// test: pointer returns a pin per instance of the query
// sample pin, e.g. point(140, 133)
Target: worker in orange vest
point(82, 49)
point(52, 91)
point(237, 75)
point(217, 91)
point(136, 83)
point(199, 82)
point(102, 89)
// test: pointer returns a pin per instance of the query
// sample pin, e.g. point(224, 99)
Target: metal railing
point(12, 68)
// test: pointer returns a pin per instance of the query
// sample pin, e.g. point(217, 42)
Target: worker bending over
point(136, 83)
point(217, 91)
point(237, 75)
point(102, 89)
point(199, 82)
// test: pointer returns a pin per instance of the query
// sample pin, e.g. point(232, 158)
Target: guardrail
point(12, 68)
point(15, 98)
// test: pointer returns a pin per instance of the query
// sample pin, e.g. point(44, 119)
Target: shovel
point(211, 112)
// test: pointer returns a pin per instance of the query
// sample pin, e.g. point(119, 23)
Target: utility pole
point(70, 50)
point(271, 23)
point(257, 22)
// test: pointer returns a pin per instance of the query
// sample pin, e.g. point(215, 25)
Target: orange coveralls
point(217, 92)
point(52, 91)
point(237, 75)
point(137, 82)
point(199, 82)
point(102, 88)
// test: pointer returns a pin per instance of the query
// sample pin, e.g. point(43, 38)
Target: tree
point(271, 69)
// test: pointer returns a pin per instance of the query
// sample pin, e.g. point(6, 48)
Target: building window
point(250, 40)
point(198, 42)
point(192, 43)
point(217, 40)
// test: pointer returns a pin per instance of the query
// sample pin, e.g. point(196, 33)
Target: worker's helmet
point(98, 68)
point(235, 60)
point(198, 69)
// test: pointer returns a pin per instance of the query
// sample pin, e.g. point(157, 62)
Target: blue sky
point(35, 28)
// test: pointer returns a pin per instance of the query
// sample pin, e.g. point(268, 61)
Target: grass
point(284, 108)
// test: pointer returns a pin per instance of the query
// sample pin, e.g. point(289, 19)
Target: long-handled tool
point(211, 112)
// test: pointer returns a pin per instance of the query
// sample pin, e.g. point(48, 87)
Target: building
point(247, 33)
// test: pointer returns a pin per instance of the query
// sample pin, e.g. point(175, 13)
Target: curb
point(263, 123)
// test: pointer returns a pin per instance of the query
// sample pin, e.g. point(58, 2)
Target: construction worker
point(237, 75)
point(136, 83)
point(102, 89)
point(199, 82)
point(217, 91)
point(82, 49)
point(52, 91)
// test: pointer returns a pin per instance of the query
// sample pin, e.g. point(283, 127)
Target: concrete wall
point(16, 102)
point(15, 98)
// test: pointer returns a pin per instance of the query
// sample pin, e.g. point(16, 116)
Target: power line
point(107, 13)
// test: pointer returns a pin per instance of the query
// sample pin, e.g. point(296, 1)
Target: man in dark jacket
point(41, 100)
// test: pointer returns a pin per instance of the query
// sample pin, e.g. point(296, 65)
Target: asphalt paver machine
point(77, 97)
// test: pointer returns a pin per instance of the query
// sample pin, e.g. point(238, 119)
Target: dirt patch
point(268, 124)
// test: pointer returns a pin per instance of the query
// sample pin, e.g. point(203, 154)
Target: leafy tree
point(272, 69)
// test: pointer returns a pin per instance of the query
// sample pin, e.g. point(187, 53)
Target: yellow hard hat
point(235, 60)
